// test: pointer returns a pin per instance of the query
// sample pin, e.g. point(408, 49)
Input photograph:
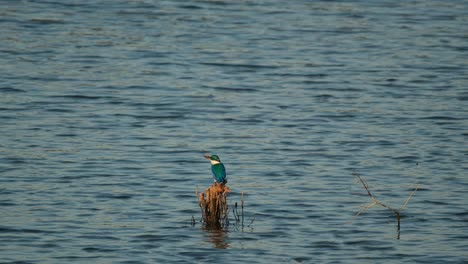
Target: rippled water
point(107, 108)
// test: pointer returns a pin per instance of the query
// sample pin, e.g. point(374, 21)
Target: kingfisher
point(217, 168)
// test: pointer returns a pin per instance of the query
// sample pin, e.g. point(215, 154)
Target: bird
point(218, 169)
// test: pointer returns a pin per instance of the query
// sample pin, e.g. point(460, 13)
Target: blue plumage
point(217, 169)
point(219, 173)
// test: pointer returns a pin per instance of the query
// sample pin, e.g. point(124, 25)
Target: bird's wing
point(219, 172)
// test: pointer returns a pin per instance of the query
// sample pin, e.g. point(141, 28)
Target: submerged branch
point(397, 212)
point(409, 198)
point(373, 197)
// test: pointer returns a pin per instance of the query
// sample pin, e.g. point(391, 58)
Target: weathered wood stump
point(213, 205)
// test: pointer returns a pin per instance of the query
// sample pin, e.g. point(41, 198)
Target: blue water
point(107, 108)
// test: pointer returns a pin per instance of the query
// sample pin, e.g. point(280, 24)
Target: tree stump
point(213, 205)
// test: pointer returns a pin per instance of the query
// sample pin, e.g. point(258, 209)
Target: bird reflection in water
point(217, 235)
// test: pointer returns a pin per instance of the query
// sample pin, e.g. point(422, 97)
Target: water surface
point(107, 108)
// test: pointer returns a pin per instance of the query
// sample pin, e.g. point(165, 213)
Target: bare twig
point(362, 210)
point(242, 207)
point(251, 222)
point(409, 198)
point(373, 197)
point(375, 201)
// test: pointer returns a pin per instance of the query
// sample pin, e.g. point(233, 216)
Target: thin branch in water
point(242, 207)
point(373, 197)
point(375, 201)
point(409, 198)
point(362, 210)
point(235, 213)
point(251, 222)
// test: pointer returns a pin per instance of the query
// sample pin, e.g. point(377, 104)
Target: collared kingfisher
point(217, 168)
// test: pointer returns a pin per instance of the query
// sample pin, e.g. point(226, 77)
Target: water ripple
point(107, 110)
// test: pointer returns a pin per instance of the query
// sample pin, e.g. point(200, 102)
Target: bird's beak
point(206, 157)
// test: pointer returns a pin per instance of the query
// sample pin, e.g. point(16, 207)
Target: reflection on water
point(217, 235)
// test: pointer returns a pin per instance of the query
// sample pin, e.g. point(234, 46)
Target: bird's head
point(214, 159)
